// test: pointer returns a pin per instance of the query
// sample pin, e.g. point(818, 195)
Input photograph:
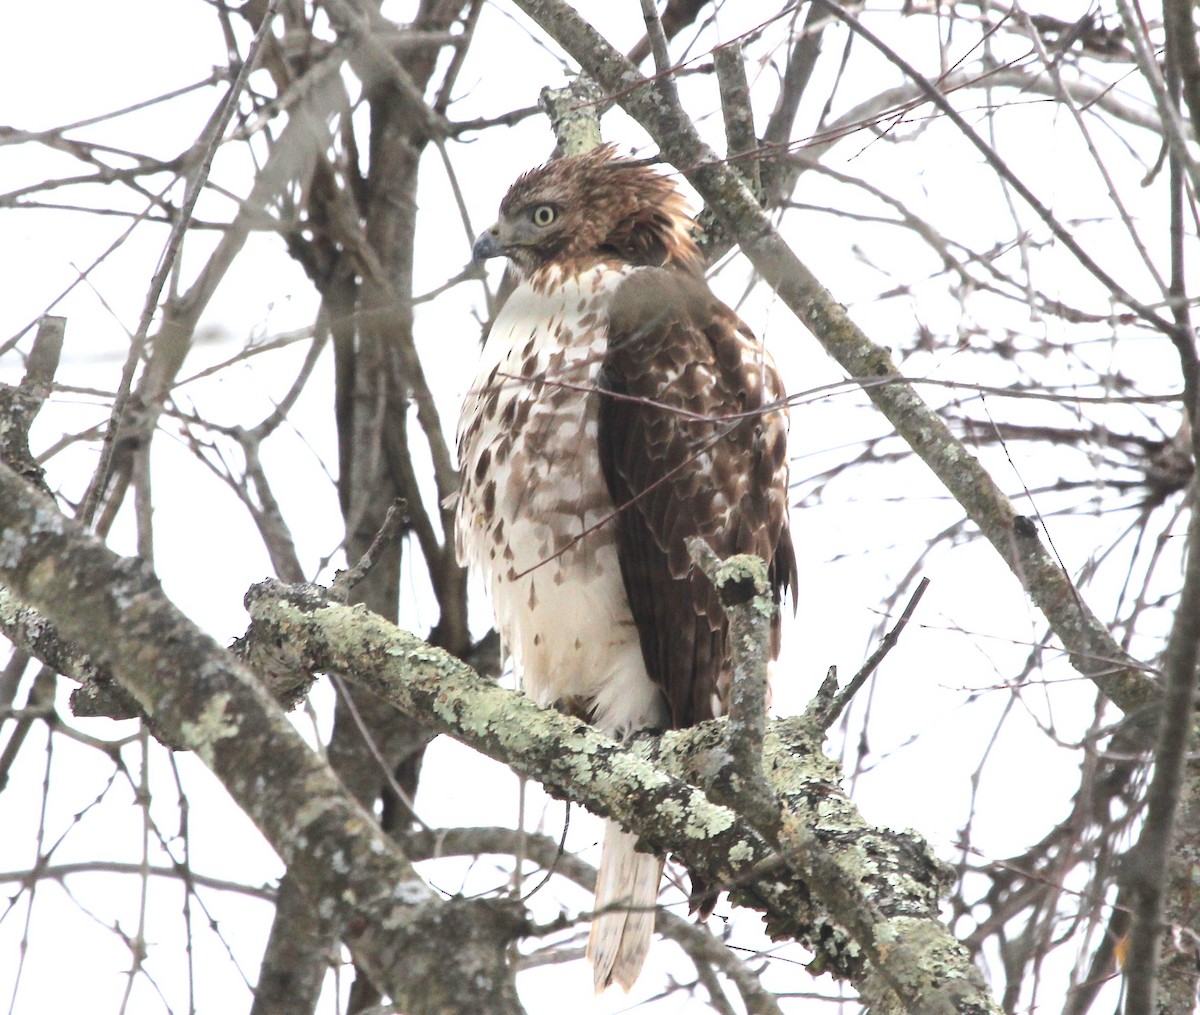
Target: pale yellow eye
point(543, 215)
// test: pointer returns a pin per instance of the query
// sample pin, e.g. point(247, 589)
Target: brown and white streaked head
point(575, 212)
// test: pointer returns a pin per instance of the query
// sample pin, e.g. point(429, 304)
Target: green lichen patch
point(210, 727)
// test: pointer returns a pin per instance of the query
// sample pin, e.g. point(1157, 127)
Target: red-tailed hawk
point(620, 408)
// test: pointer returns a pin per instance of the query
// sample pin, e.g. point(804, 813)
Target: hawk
point(620, 408)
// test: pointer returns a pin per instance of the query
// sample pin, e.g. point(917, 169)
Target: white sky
point(929, 728)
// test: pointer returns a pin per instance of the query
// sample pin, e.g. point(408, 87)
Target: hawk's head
point(577, 211)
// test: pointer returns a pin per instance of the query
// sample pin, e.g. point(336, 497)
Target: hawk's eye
point(543, 215)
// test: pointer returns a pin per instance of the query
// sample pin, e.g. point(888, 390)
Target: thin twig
point(345, 581)
point(385, 769)
point(1000, 166)
point(166, 263)
point(657, 38)
point(1174, 131)
point(839, 704)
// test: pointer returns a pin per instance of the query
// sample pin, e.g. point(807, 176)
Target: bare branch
point(837, 706)
point(195, 185)
point(1176, 770)
point(989, 153)
point(344, 582)
point(329, 842)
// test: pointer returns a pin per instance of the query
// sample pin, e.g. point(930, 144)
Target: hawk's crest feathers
point(603, 208)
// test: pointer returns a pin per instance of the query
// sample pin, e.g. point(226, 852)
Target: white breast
point(535, 515)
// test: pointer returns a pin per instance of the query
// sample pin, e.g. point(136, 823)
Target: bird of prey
point(619, 409)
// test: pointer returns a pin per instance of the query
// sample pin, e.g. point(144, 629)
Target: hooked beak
point(487, 244)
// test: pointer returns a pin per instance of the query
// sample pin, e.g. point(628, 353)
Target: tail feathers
point(626, 893)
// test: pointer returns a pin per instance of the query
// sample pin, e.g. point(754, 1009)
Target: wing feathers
point(686, 452)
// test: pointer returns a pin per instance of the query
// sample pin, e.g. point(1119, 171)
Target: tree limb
point(210, 703)
point(116, 611)
point(882, 884)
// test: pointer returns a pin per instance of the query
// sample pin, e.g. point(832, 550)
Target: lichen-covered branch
point(207, 701)
point(574, 114)
point(882, 884)
point(1092, 649)
point(901, 970)
point(302, 627)
point(19, 405)
point(98, 694)
point(741, 582)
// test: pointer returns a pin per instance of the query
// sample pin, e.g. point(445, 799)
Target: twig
point(1000, 166)
point(780, 179)
point(1174, 130)
point(195, 186)
point(838, 706)
point(386, 770)
point(61, 871)
point(461, 44)
point(393, 521)
point(1054, 70)
point(381, 64)
point(656, 37)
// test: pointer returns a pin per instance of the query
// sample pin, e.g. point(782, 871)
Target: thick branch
point(116, 611)
point(210, 703)
point(882, 884)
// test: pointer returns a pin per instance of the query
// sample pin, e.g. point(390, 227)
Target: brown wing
point(679, 364)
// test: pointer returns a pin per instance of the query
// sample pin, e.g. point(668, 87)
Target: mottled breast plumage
point(535, 515)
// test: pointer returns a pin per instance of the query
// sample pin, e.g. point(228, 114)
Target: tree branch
point(207, 151)
point(1148, 866)
point(740, 138)
point(883, 885)
point(116, 611)
point(20, 405)
point(741, 584)
point(999, 165)
point(837, 705)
